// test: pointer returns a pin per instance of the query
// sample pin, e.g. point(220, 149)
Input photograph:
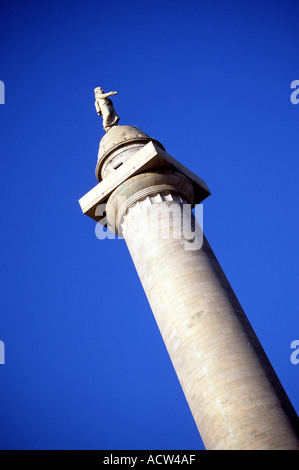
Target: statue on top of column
point(105, 108)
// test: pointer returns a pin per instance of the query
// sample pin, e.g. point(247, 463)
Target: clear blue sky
point(86, 367)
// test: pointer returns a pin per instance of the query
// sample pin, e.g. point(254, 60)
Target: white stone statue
point(105, 108)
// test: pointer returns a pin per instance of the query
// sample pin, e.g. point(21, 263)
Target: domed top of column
point(117, 145)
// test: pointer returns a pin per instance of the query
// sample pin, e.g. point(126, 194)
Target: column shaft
point(233, 392)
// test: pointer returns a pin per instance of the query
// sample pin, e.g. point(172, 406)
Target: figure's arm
point(106, 95)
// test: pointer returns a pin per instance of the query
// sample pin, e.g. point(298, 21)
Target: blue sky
point(86, 367)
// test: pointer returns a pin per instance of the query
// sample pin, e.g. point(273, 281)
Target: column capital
point(149, 186)
point(151, 157)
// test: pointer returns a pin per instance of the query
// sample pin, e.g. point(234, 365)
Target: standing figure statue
point(105, 108)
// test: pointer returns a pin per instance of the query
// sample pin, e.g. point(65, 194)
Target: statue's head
point(98, 90)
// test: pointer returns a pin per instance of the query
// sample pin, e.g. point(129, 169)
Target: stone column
point(233, 392)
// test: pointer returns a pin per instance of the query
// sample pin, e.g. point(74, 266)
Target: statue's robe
point(107, 111)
